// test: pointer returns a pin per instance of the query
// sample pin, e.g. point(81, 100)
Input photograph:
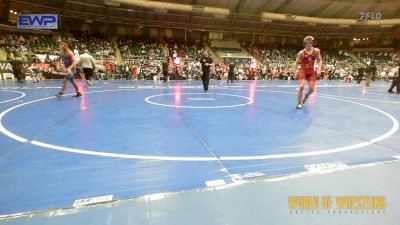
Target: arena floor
point(238, 142)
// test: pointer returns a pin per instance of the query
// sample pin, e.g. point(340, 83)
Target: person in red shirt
point(113, 70)
point(107, 67)
point(306, 58)
point(253, 69)
point(134, 72)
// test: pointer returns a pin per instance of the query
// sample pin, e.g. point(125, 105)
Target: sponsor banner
point(37, 21)
point(42, 66)
point(5, 70)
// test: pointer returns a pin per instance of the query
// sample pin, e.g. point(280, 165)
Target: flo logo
point(370, 16)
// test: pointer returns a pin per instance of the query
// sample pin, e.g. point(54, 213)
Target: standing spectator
point(253, 69)
point(47, 59)
point(113, 70)
point(371, 72)
point(231, 72)
point(165, 66)
point(134, 72)
point(206, 63)
point(107, 67)
point(18, 68)
point(360, 71)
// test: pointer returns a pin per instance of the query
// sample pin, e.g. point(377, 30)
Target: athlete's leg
point(302, 79)
point(300, 93)
point(78, 93)
point(311, 88)
point(64, 86)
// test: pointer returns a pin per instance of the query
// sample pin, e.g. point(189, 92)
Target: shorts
point(88, 72)
point(309, 76)
point(70, 76)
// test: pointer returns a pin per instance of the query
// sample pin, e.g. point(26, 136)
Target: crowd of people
point(143, 58)
point(137, 48)
point(337, 64)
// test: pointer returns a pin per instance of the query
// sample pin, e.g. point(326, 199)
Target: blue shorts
point(70, 76)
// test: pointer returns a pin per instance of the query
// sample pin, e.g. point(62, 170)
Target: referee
point(87, 64)
point(231, 72)
point(371, 72)
point(165, 66)
point(206, 62)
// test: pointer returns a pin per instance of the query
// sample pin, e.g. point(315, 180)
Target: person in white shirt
point(396, 79)
point(88, 65)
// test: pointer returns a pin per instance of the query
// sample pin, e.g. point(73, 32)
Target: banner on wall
point(42, 66)
point(5, 70)
point(37, 21)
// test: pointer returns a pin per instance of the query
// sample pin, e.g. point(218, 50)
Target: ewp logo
point(37, 21)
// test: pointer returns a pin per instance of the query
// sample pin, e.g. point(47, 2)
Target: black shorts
point(88, 72)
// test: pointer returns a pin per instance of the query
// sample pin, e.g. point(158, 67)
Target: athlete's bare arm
point(318, 57)
point(74, 62)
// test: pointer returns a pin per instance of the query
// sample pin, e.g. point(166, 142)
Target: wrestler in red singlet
point(306, 58)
